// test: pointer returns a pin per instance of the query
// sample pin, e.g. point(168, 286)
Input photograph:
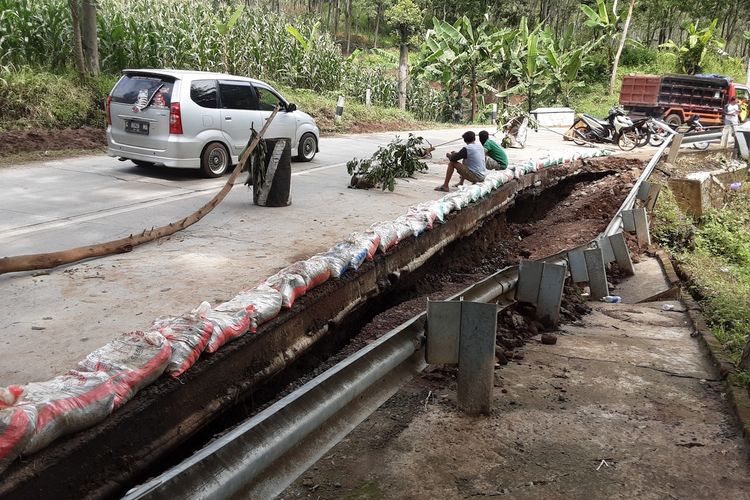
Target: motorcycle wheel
point(627, 140)
point(580, 137)
point(657, 137)
point(644, 136)
point(701, 145)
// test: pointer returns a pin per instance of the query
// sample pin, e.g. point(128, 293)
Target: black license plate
point(136, 127)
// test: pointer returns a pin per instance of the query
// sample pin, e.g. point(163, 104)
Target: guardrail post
point(622, 255)
point(339, 109)
point(464, 333)
point(598, 285)
point(641, 227)
point(368, 97)
point(577, 264)
point(541, 284)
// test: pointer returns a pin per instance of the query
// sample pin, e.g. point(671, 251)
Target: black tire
point(657, 137)
point(215, 160)
point(627, 140)
point(644, 137)
point(579, 137)
point(143, 164)
point(674, 121)
point(307, 147)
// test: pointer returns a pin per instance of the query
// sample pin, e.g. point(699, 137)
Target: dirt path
point(624, 406)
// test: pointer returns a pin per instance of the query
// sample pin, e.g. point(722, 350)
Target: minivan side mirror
point(291, 107)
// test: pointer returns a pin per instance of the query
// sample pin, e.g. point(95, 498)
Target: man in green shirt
point(496, 157)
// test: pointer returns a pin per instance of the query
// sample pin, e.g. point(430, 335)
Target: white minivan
point(197, 119)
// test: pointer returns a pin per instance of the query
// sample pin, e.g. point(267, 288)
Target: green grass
point(717, 258)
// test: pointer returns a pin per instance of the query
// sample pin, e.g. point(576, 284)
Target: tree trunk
point(54, 259)
point(616, 62)
point(403, 72)
point(336, 16)
point(90, 41)
point(348, 26)
point(473, 91)
point(378, 15)
point(77, 44)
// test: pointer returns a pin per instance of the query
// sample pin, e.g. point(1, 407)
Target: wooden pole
point(53, 259)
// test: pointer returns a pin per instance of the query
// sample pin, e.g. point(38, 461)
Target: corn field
point(186, 34)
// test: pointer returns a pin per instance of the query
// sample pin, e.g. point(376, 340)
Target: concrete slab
point(647, 282)
point(618, 408)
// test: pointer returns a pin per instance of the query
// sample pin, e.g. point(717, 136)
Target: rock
point(500, 356)
point(518, 355)
point(508, 354)
point(549, 339)
point(518, 321)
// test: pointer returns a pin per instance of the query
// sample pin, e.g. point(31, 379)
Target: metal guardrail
point(316, 416)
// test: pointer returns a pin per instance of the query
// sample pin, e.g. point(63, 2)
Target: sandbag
point(66, 404)
point(337, 259)
point(290, 285)
point(187, 335)
point(403, 229)
point(367, 241)
point(387, 233)
point(132, 360)
point(16, 429)
point(227, 326)
point(263, 303)
point(313, 271)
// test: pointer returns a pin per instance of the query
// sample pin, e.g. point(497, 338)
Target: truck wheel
point(674, 121)
point(215, 160)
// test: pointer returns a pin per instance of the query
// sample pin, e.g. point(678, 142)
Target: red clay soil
point(21, 141)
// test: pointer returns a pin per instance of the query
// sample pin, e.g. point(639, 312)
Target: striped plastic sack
point(387, 233)
point(290, 285)
point(132, 360)
point(188, 336)
point(313, 271)
point(337, 259)
point(16, 427)
point(66, 404)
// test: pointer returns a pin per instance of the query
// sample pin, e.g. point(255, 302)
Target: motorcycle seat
point(603, 123)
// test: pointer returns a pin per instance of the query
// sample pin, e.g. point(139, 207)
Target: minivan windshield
point(144, 90)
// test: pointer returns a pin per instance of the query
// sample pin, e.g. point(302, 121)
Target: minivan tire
point(307, 148)
point(215, 160)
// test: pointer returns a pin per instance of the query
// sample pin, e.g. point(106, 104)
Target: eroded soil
point(41, 140)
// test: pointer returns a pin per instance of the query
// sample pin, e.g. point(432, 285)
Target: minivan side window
point(268, 100)
point(237, 95)
point(203, 93)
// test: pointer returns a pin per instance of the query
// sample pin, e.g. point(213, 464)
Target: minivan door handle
point(228, 118)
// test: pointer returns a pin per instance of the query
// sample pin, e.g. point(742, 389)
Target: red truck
point(675, 98)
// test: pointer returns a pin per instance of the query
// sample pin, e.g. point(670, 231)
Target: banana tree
point(527, 65)
point(692, 53)
point(460, 55)
point(564, 61)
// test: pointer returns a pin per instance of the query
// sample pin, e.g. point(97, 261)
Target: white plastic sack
point(132, 360)
point(290, 285)
point(368, 241)
point(263, 303)
point(187, 335)
point(337, 259)
point(227, 326)
point(403, 229)
point(387, 233)
point(313, 271)
point(66, 404)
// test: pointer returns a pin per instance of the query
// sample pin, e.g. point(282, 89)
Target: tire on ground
point(307, 147)
point(215, 160)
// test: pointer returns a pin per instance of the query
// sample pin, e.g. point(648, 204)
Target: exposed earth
point(40, 140)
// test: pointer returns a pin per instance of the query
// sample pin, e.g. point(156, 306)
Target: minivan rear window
point(132, 87)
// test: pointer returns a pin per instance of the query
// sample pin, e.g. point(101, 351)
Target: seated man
point(496, 157)
point(471, 169)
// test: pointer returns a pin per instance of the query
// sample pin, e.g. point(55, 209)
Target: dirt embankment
point(41, 140)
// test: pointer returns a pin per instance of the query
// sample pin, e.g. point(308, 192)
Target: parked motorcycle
point(617, 128)
point(694, 125)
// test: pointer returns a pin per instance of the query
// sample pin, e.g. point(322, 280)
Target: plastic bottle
point(614, 299)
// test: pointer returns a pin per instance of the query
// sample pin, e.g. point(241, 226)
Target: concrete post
point(476, 358)
point(494, 112)
point(339, 109)
point(622, 255)
point(368, 97)
point(597, 274)
point(529, 280)
point(577, 264)
point(674, 149)
point(653, 195)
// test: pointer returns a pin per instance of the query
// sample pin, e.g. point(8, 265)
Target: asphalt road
point(63, 204)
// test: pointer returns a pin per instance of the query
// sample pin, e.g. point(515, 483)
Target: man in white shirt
point(731, 116)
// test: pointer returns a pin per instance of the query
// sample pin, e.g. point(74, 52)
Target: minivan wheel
point(214, 160)
point(307, 148)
